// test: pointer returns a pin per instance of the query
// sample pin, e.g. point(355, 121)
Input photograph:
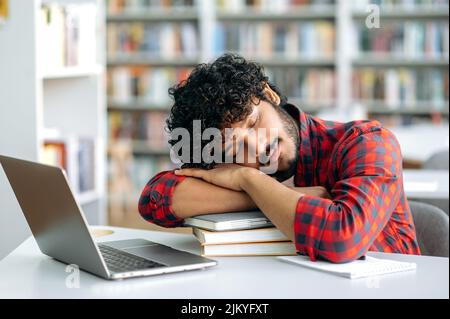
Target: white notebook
point(356, 269)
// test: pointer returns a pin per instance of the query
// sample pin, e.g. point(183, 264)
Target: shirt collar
point(308, 144)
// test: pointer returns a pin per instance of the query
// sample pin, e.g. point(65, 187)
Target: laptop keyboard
point(120, 261)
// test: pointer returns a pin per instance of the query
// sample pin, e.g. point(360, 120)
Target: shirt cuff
point(310, 219)
point(166, 212)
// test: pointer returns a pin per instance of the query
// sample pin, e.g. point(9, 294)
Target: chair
point(431, 229)
point(438, 161)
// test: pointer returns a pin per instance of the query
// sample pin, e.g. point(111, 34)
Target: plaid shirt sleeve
point(155, 203)
point(340, 230)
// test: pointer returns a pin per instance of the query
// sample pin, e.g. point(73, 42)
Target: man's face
point(281, 149)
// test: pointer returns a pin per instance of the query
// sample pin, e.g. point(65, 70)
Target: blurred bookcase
point(312, 49)
point(401, 70)
point(52, 89)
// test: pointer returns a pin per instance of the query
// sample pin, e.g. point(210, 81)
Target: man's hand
point(230, 176)
point(224, 175)
point(317, 191)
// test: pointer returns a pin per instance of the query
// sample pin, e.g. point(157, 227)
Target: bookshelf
point(218, 21)
point(407, 54)
point(53, 94)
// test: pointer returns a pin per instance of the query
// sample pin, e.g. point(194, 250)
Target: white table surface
point(26, 273)
point(426, 184)
point(419, 142)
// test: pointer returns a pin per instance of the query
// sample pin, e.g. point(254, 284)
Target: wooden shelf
point(277, 61)
point(421, 108)
point(73, 72)
point(142, 106)
point(142, 148)
point(138, 106)
point(281, 61)
point(399, 12)
point(87, 197)
point(398, 61)
point(311, 107)
point(142, 59)
point(180, 14)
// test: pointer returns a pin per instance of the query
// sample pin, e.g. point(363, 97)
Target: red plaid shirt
point(359, 163)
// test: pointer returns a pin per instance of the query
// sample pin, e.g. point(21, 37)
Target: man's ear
point(272, 95)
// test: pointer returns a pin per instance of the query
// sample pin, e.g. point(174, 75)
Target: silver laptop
point(61, 231)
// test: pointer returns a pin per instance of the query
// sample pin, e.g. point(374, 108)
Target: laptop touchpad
point(165, 255)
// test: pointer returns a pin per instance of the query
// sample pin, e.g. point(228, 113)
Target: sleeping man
point(347, 196)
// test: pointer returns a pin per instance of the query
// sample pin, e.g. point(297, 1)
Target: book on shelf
point(128, 174)
point(306, 40)
point(147, 85)
point(143, 168)
point(269, 5)
point(76, 155)
point(310, 86)
point(402, 87)
point(86, 165)
point(260, 235)
point(146, 130)
point(121, 6)
point(68, 35)
point(408, 39)
point(253, 249)
point(54, 153)
point(155, 40)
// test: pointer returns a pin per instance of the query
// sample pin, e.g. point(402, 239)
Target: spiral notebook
point(356, 269)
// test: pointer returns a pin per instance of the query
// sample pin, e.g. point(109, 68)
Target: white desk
point(428, 186)
point(26, 273)
point(419, 142)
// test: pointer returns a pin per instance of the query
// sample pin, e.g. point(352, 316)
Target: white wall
point(18, 124)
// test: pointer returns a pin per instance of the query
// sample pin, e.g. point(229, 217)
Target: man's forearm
point(277, 201)
point(194, 197)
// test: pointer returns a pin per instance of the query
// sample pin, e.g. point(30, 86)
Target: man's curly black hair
point(218, 94)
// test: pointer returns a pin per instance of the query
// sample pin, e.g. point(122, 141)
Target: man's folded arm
point(168, 199)
point(344, 228)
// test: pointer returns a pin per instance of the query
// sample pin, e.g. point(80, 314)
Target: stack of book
point(239, 234)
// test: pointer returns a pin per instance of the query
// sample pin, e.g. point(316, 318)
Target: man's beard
point(292, 130)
